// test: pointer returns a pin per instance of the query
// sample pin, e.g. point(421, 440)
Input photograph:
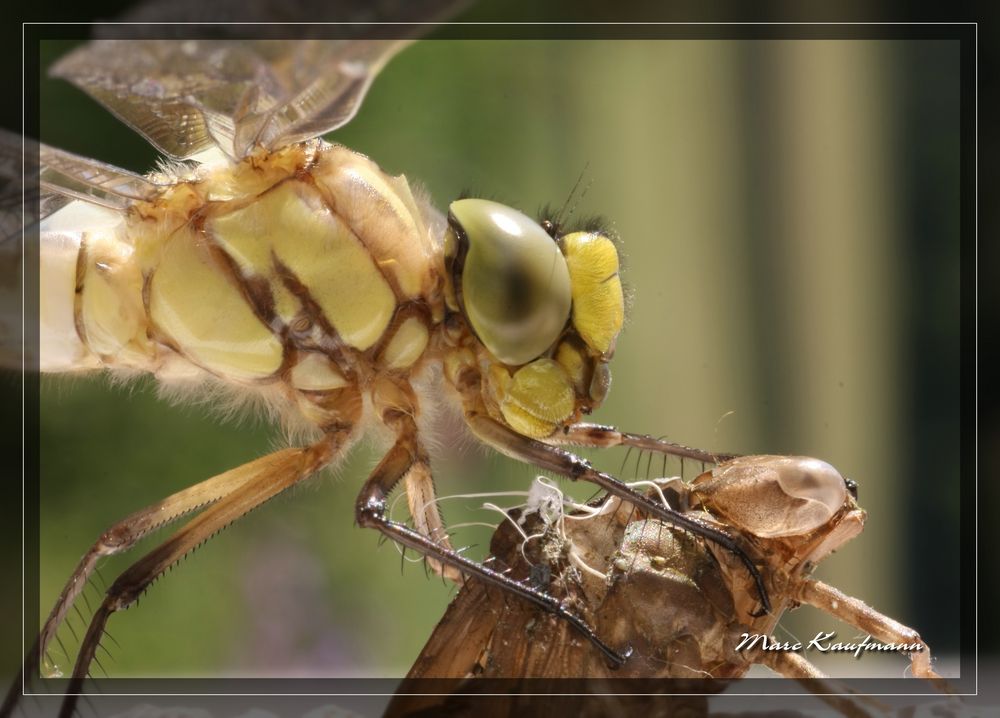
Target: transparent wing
point(11, 186)
point(187, 96)
point(16, 211)
point(22, 202)
point(35, 182)
point(63, 176)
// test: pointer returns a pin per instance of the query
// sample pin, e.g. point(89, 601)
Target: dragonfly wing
point(23, 202)
point(63, 176)
point(13, 173)
point(327, 81)
point(49, 203)
point(188, 96)
point(185, 97)
point(17, 210)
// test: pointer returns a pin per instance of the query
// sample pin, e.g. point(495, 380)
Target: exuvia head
point(776, 496)
point(546, 309)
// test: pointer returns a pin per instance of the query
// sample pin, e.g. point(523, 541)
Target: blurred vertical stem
point(833, 240)
point(674, 115)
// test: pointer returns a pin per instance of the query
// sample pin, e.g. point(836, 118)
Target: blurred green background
point(790, 218)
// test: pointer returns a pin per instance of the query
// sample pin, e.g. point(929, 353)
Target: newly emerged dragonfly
point(275, 267)
point(673, 269)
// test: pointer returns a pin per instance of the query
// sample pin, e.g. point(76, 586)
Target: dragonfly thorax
point(310, 271)
point(307, 269)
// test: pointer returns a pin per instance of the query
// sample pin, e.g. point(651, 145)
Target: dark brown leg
point(370, 511)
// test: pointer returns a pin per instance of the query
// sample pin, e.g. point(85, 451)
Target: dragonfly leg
point(252, 485)
point(794, 666)
point(599, 436)
point(880, 627)
point(371, 512)
point(420, 497)
point(552, 458)
point(120, 538)
point(130, 530)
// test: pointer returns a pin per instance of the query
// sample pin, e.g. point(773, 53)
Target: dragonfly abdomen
point(309, 267)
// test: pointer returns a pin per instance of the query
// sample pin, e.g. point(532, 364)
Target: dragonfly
point(679, 602)
point(266, 265)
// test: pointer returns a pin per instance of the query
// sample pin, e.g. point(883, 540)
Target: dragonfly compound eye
point(515, 284)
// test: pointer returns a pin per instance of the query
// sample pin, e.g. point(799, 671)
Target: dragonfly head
point(545, 307)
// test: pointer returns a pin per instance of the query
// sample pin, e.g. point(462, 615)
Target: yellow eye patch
point(598, 303)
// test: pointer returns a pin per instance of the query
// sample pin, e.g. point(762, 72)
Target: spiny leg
point(120, 538)
point(263, 480)
point(129, 531)
point(860, 615)
point(420, 496)
point(599, 436)
point(562, 462)
point(370, 511)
